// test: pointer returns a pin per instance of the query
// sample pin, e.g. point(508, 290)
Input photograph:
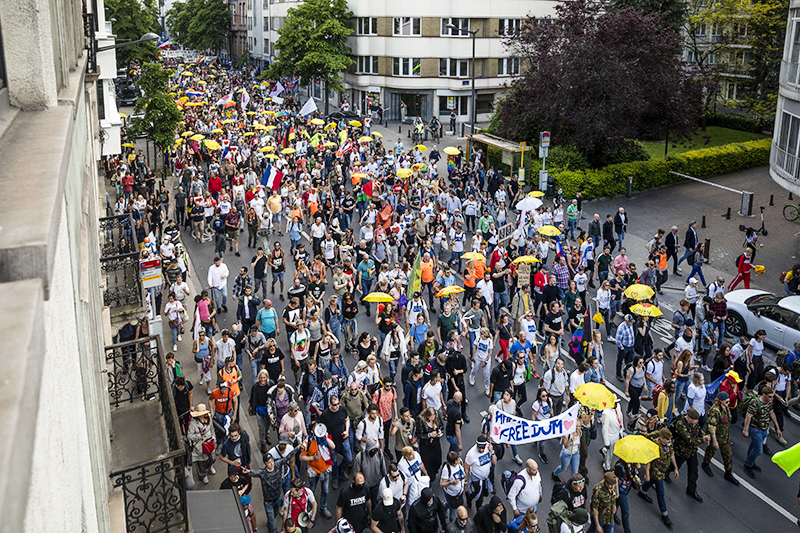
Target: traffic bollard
point(771, 200)
point(703, 225)
point(728, 214)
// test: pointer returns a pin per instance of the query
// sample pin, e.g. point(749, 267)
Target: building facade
point(237, 35)
point(785, 155)
point(404, 52)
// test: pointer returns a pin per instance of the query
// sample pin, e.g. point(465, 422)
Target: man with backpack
point(561, 515)
point(524, 490)
point(743, 269)
point(688, 436)
point(718, 428)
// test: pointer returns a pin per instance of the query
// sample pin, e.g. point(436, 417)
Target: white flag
point(278, 90)
point(245, 100)
point(309, 107)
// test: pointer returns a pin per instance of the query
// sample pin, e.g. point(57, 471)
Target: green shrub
point(566, 158)
point(612, 180)
point(736, 121)
point(628, 153)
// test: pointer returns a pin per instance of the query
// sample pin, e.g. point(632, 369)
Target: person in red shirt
point(127, 183)
point(215, 186)
point(744, 267)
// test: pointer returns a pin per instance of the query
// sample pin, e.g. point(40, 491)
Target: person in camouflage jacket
point(656, 470)
point(718, 427)
point(688, 436)
point(604, 502)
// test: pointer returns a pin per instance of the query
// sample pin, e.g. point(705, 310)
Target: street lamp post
point(474, 100)
point(146, 38)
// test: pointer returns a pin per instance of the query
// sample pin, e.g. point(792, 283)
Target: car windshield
point(762, 299)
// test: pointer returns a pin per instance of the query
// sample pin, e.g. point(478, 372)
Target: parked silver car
point(751, 310)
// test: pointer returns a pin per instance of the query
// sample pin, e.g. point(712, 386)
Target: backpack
point(557, 488)
point(658, 389)
point(559, 514)
point(507, 480)
point(745, 405)
point(780, 358)
point(633, 422)
point(739, 261)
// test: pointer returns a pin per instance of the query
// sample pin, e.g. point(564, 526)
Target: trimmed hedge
point(735, 121)
point(612, 180)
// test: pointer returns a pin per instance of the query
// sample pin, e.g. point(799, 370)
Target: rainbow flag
point(415, 278)
point(451, 164)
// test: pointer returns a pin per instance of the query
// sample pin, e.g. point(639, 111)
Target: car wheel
point(734, 325)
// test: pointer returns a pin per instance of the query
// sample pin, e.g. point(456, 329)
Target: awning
point(497, 142)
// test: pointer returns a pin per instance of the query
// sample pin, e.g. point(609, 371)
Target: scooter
point(762, 230)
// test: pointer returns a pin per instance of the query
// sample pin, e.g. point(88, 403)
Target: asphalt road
point(767, 503)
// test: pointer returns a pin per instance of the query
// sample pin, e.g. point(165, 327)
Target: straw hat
point(201, 410)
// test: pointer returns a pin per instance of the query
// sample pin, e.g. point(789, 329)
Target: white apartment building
point(784, 164)
point(405, 53)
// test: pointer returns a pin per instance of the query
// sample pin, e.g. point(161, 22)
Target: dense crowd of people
point(471, 293)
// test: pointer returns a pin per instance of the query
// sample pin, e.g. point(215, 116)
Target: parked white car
point(751, 310)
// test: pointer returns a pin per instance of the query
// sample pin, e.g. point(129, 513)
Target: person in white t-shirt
point(654, 371)
point(371, 428)
point(526, 494)
point(432, 393)
point(413, 469)
point(481, 358)
point(578, 377)
point(453, 479)
point(478, 464)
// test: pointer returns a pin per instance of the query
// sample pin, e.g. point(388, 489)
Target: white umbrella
point(529, 203)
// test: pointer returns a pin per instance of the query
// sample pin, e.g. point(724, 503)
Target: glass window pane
point(791, 148)
point(396, 26)
point(442, 67)
point(417, 65)
point(374, 64)
point(374, 26)
point(405, 67)
point(445, 30)
point(417, 26)
point(463, 68)
point(395, 65)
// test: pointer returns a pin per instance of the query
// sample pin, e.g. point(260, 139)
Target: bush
point(566, 158)
point(628, 153)
point(736, 121)
point(612, 180)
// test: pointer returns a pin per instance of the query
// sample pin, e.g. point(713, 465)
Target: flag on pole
point(292, 85)
point(245, 99)
point(225, 99)
point(202, 58)
point(559, 248)
point(309, 107)
point(272, 178)
point(195, 93)
point(451, 164)
point(164, 45)
point(344, 148)
point(315, 140)
point(292, 135)
point(278, 90)
point(415, 278)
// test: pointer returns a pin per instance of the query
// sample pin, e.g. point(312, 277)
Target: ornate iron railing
point(119, 261)
point(89, 28)
point(154, 491)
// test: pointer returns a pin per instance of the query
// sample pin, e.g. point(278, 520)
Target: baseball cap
point(387, 496)
point(283, 438)
point(481, 442)
point(629, 318)
point(580, 516)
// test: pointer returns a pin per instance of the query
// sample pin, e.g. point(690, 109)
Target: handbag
point(208, 446)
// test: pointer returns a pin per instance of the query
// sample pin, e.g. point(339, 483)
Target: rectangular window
point(266, 46)
point(453, 68)
point(367, 26)
point(405, 66)
point(462, 24)
point(510, 26)
point(265, 6)
point(405, 26)
point(367, 64)
point(276, 23)
point(508, 66)
point(485, 103)
point(266, 23)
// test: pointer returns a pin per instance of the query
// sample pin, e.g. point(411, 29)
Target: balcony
point(785, 165)
point(119, 264)
point(790, 74)
point(148, 454)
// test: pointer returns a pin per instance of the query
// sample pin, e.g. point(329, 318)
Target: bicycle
point(416, 138)
point(791, 212)
point(434, 135)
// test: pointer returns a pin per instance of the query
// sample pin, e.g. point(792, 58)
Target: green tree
point(313, 44)
point(209, 23)
point(160, 113)
point(134, 19)
point(767, 30)
point(178, 20)
point(672, 12)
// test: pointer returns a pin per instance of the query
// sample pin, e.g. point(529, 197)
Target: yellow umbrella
point(271, 127)
point(187, 133)
point(123, 115)
point(550, 231)
point(329, 144)
point(217, 130)
point(419, 166)
point(526, 259)
point(447, 291)
point(178, 142)
point(288, 151)
point(186, 73)
point(377, 133)
point(473, 255)
point(404, 173)
point(197, 137)
point(646, 310)
point(182, 122)
point(536, 194)
point(359, 175)
point(318, 121)
point(451, 150)
point(595, 395)
point(271, 156)
point(355, 123)
point(212, 76)
point(639, 292)
point(251, 113)
point(268, 99)
point(248, 133)
point(330, 126)
point(636, 449)
point(271, 113)
point(201, 82)
point(268, 149)
point(211, 144)
point(240, 90)
point(378, 297)
point(421, 148)
point(365, 139)
point(128, 145)
point(227, 121)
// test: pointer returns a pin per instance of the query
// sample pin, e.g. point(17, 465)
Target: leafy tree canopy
point(596, 79)
point(132, 20)
point(767, 31)
point(672, 12)
point(161, 114)
point(200, 24)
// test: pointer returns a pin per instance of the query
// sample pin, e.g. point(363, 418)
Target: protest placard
point(510, 429)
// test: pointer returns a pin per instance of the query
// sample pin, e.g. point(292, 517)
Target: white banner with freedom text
point(510, 429)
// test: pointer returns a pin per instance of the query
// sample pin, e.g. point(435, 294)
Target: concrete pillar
point(28, 44)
